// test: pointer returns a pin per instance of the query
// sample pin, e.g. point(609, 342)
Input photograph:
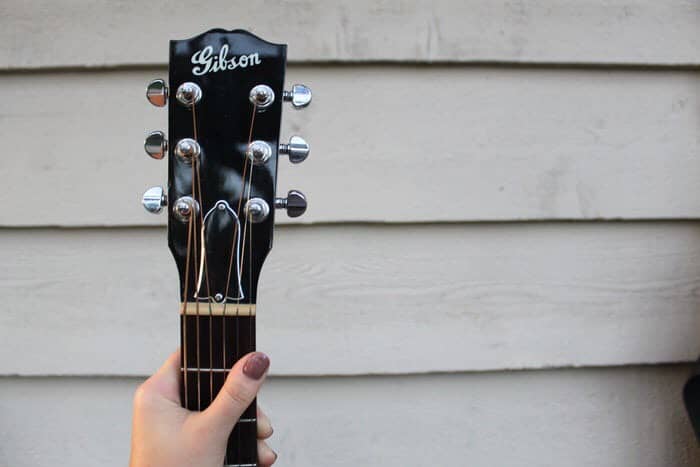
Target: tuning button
point(156, 145)
point(299, 96)
point(297, 149)
point(294, 203)
point(157, 92)
point(154, 200)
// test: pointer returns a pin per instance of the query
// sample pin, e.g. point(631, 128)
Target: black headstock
point(225, 97)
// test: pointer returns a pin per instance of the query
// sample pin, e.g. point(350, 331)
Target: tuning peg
point(294, 203)
point(299, 96)
point(157, 92)
point(154, 200)
point(297, 149)
point(156, 145)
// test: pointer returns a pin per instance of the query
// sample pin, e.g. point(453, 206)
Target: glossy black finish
point(221, 124)
point(691, 398)
point(223, 119)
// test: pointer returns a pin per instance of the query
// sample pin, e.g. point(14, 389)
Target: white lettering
point(206, 62)
point(202, 57)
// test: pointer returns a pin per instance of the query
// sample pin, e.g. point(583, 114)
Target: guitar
point(691, 398)
point(224, 96)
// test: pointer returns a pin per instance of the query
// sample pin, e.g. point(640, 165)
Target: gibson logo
point(206, 62)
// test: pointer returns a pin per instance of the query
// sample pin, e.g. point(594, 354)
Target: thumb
point(165, 383)
point(239, 390)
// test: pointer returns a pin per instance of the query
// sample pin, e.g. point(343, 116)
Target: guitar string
point(183, 313)
point(236, 235)
point(240, 200)
point(194, 251)
point(250, 254)
point(251, 330)
point(204, 265)
point(204, 269)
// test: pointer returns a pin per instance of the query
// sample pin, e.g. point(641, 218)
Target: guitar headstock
point(225, 95)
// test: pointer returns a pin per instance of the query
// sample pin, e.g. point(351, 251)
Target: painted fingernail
point(256, 365)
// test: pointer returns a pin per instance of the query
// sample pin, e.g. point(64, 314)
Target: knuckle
point(142, 396)
point(239, 395)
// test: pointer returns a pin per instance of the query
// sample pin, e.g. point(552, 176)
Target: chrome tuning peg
point(297, 149)
point(156, 145)
point(299, 96)
point(294, 203)
point(157, 92)
point(154, 200)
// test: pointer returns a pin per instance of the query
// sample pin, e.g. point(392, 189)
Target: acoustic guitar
point(691, 397)
point(225, 93)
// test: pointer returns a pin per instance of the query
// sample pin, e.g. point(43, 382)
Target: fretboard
point(211, 344)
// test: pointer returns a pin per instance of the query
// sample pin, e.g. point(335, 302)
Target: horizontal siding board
point(389, 144)
point(368, 299)
point(95, 33)
point(602, 417)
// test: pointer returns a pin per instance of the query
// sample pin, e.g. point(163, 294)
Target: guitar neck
point(225, 97)
point(213, 338)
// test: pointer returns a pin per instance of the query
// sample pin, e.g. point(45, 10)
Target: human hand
point(164, 434)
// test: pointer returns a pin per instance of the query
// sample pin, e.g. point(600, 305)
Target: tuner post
point(188, 94)
point(187, 150)
point(184, 207)
point(295, 203)
point(261, 96)
point(259, 152)
point(257, 210)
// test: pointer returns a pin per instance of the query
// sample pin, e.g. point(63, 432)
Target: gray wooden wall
point(500, 265)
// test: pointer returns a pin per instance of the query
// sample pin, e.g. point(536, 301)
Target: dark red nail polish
point(256, 365)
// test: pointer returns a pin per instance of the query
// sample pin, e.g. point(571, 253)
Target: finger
point(166, 381)
point(264, 425)
point(239, 390)
point(266, 456)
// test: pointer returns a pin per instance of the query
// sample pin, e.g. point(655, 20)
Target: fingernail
point(275, 454)
point(256, 365)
